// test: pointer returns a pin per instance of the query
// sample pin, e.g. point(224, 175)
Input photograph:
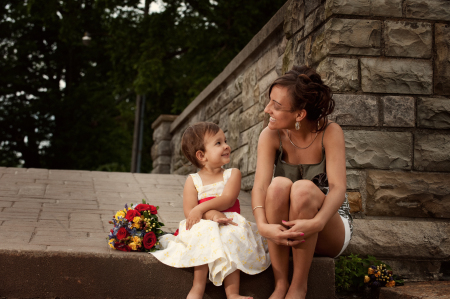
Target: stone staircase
point(53, 228)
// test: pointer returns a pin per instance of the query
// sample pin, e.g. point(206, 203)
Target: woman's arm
point(334, 145)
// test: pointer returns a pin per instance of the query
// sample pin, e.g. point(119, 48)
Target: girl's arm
point(190, 196)
point(220, 203)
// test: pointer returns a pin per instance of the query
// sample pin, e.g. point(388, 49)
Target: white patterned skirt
point(225, 248)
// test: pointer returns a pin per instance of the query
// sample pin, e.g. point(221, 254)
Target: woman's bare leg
point(199, 284)
point(306, 200)
point(231, 283)
point(277, 209)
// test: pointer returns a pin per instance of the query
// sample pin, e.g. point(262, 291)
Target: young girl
point(222, 242)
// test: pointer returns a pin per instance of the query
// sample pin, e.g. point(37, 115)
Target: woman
point(301, 204)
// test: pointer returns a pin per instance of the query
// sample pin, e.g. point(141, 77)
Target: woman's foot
point(237, 296)
point(297, 293)
point(280, 291)
point(196, 292)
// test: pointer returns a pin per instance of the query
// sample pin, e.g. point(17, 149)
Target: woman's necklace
point(289, 137)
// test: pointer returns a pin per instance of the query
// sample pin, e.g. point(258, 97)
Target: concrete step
point(418, 290)
point(44, 274)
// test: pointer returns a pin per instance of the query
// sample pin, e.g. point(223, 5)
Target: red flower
point(122, 233)
point(149, 240)
point(122, 246)
point(142, 207)
point(153, 210)
point(131, 214)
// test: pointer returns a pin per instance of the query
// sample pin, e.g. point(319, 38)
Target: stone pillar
point(161, 153)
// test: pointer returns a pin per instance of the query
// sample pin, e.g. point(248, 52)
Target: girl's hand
point(223, 220)
point(305, 226)
point(280, 235)
point(194, 217)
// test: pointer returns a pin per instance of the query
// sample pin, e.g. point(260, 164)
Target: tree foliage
point(70, 106)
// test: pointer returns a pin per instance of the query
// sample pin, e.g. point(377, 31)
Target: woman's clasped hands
point(290, 233)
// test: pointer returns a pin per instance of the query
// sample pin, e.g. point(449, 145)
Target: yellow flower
point(366, 279)
point(136, 240)
point(110, 242)
point(133, 245)
point(120, 214)
point(370, 271)
point(391, 284)
point(136, 221)
point(377, 274)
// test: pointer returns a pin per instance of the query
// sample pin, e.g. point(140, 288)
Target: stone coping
point(163, 118)
point(275, 23)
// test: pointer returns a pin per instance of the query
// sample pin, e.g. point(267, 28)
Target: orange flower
point(390, 284)
point(371, 271)
point(377, 274)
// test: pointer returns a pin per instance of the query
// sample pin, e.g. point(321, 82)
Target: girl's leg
point(306, 200)
point(231, 283)
point(277, 209)
point(199, 284)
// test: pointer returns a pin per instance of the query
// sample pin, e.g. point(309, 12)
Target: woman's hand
point(305, 226)
point(194, 217)
point(280, 235)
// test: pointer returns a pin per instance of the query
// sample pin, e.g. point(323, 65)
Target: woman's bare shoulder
point(333, 133)
point(269, 137)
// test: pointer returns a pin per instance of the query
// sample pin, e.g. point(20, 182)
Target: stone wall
point(388, 65)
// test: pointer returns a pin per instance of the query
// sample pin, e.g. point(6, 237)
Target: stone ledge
point(163, 118)
point(93, 275)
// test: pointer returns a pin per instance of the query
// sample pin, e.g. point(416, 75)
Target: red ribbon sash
point(235, 208)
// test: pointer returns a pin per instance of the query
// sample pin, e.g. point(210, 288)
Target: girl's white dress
point(224, 248)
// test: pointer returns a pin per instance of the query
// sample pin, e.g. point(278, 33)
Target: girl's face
point(217, 151)
point(279, 109)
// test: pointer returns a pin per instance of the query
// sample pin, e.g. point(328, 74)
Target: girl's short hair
point(193, 140)
point(307, 91)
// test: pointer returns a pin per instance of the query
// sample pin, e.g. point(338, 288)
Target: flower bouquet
point(136, 228)
point(379, 276)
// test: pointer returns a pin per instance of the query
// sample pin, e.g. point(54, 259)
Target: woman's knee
point(279, 190)
point(304, 196)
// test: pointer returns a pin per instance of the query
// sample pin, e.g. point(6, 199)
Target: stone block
point(312, 49)
point(294, 19)
point(235, 88)
point(400, 239)
point(355, 110)
point(252, 139)
point(234, 129)
point(354, 178)
point(235, 104)
point(387, 8)
point(396, 76)
point(264, 99)
point(348, 7)
point(214, 118)
point(382, 150)
point(416, 270)
point(314, 19)
point(355, 202)
point(161, 149)
point(398, 111)
point(353, 37)
point(428, 9)
point(408, 194)
point(162, 160)
point(223, 120)
point(341, 74)
point(247, 182)
point(310, 5)
point(408, 39)
point(248, 88)
point(212, 107)
point(288, 57)
point(441, 62)
point(433, 113)
point(249, 118)
point(431, 152)
point(265, 82)
point(267, 62)
point(239, 159)
point(162, 132)
point(282, 46)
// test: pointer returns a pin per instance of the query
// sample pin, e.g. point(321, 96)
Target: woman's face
point(279, 109)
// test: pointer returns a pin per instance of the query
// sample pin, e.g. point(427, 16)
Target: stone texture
point(382, 150)
point(424, 289)
point(162, 160)
point(239, 159)
point(234, 129)
point(442, 62)
point(400, 239)
point(162, 132)
point(267, 62)
point(288, 57)
point(235, 104)
point(235, 88)
point(248, 88)
point(354, 179)
point(416, 270)
point(355, 110)
point(409, 39)
point(310, 5)
point(252, 137)
point(247, 182)
point(212, 107)
point(265, 82)
point(387, 8)
point(347, 7)
point(433, 113)
point(432, 152)
point(161, 149)
point(396, 76)
point(398, 111)
point(249, 118)
point(408, 194)
point(355, 202)
point(294, 19)
point(341, 74)
point(428, 9)
point(264, 99)
point(312, 49)
point(357, 37)
point(314, 19)
point(223, 120)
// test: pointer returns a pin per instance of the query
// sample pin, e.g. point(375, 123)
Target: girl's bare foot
point(280, 291)
point(237, 296)
point(196, 292)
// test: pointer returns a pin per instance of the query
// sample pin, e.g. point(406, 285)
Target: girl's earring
point(297, 125)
